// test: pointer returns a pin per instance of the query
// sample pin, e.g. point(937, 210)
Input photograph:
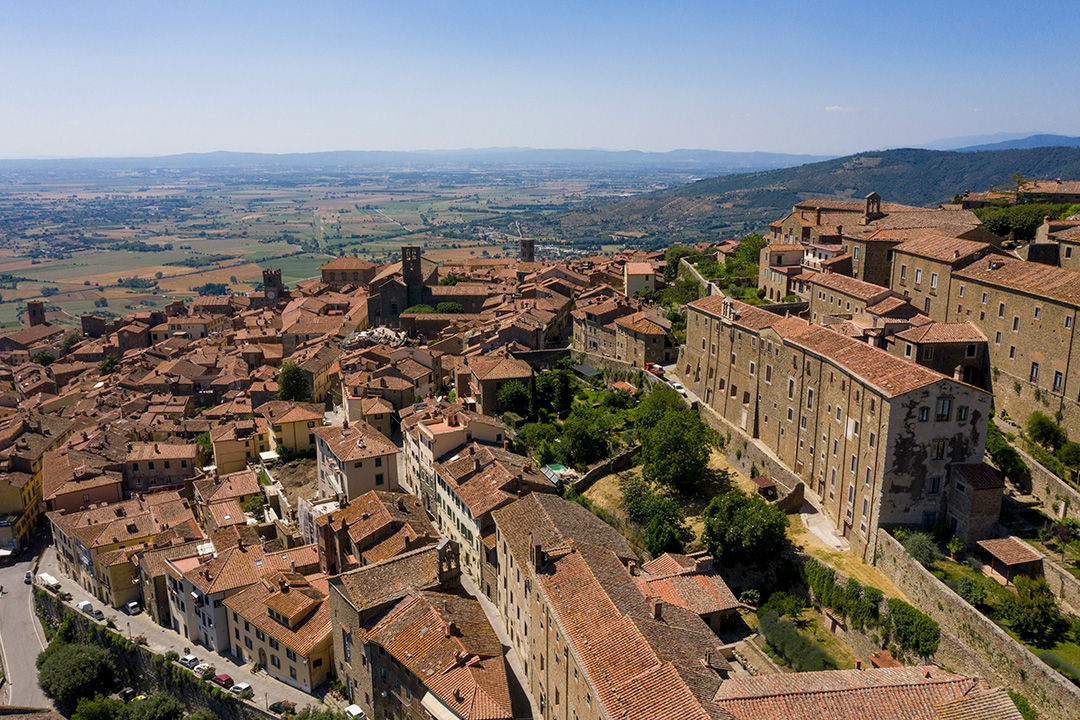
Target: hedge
point(913, 629)
point(797, 649)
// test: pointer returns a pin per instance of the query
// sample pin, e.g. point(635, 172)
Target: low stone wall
point(971, 643)
point(1050, 490)
point(1063, 583)
point(707, 286)
point(615, 464)
point(743, 452)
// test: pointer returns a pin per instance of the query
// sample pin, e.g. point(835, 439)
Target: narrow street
point(161, 640)
point(21, 636)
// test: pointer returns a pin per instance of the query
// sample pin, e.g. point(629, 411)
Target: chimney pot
point(656, 608)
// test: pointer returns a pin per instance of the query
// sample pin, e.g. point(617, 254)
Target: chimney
point(817, 218)
point(632, 567)
point(840, 230)
point(858, 664)
point(239, 543)
point(452, 630)
point(656, 608)
point(536, 554)
point(345, 425)
point(365, 515)
point(476, 463)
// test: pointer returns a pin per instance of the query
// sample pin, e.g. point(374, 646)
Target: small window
point(924, 414)
point(1034, 376)
point(944, 409)
point(1068, 321)
point(379, 479)
point(970, 352)
point(1016, 323)
point(935, 486)
point(961, 413)
point(928, 353)
point(903, 272)
point(961, 488)
point(997, 338)
point(1038, 312)
point(908, 349)
point(378, 462)
point(933, 280)
point(961, 291)
point(873, 439)
point(1012, 352)
point(918, 275)
point(939, 450)
point(1001, 310)
point(1058, 382)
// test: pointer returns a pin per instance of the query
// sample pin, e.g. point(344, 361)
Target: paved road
point(21, 636)
point(161, 640)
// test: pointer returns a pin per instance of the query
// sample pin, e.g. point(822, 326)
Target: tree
point(450, 307)
point(922, 547)
point(660, 400)
point(1070, 454)
point(452, 279)
point(42, 357)
point(311, 712)
point(972, 591)
point(554, 391)
point(1046, 432)
point(671, 260)
point(584, 435)
point(676, 450)
point(98, 708)
point(292, 385)
point(740, 527)
point(70, 340)
point(108, 365)
point(418, 310)
point(661, 537)
point(101, 302)
point(1032, 612)
point(255, 504)
point(513, 397)
point(159, 706)
point(69, 672)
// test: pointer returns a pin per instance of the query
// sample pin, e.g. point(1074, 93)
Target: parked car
point(223, 680)
point(654, 369)
point(97, 615)
point(202, 668)
point(133, 608)
point(240, 689)
point(28, 577)
point(282, 706)
point(188, 661)
point(126, 694)
point(355, 712)
point(84, 606)
point(677, 387)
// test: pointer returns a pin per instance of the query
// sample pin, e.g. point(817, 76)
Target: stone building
point(353, 459)
point(923, 266)
point(1028, 313)
point(875, 437)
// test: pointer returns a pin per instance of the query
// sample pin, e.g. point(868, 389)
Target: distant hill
point(965, 141)
point(1031, 141)
point(734, 204)
point(698, 162)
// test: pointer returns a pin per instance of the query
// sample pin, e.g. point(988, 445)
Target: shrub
point(1046, 432)
point(1004, 454)
point(783, 604)
point(750, 597)
point(797, 649)
point(922, 547)
point(172, 656)
point(900, 534)
point(98, 708)
point(972, 591)
point(913, 629)
point(69, 672)
point(1026, 711)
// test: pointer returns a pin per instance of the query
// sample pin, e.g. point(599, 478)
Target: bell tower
point(35, 312)
point(528, 250)
point(411, 274)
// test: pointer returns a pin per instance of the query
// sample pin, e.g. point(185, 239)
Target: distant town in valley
point(564, 436)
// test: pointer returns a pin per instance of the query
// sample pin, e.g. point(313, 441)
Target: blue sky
point(149, 78)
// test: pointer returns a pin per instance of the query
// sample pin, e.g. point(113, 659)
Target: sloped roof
point(356, 441)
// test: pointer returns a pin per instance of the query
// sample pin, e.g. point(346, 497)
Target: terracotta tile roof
point(642, 322)
point(239, 429)
point(301, 599)
point(553, 519)
point(499, 367)
point(943, 248)
point(904, 693)
point(1030, 278)
point(379, 523)
point(891, 375)
point(639, 268)
point(237, 567)
point(233, 485)
point(280, 411)
point(227, 512)
point(933, 333)
point(1050, 187)
point(1010, 550)
point(979, 476)
point(445, 641)
point(849, 286)
point(375, 406)
point(698, 588)
point(347, 263)
point(748, 316)
point(992, 704)
point(390, 580)
point(357, 441)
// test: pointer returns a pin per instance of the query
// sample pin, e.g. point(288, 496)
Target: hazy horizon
point(128, 79)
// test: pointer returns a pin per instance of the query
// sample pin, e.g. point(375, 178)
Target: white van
point(355, 712)
point(84, 606)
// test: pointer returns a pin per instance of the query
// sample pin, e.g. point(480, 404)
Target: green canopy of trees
point(675, 451)
point(418, 310)
point(740, 527)
point(513, 397)
point(42, 357)
point(450, 307)
point(69, 672)
point(1032, 612)
point(292, 385)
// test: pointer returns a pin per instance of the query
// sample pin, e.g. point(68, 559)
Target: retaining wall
point(971, 643)
point(1050, 489)
point(1063, 583)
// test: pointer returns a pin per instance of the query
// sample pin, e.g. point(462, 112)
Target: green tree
point(1032, 612)
point(740, 527)
point(98, 707)
point(69, 672)
point(554, 391)
point(676, 450)
point(418, 310)
point(584, 435)
point(159, 706)
point(1070, 454)
point(255, 504)
point(101, 302)
point(661, 537)
point(42, 357)
point(108, 365)
point(1046, 432)
point(452, 279)
point(922, 547)
point(671, 260)
point(513, 397)
point(660, 400)
point(972, 591)
point(292, 385)
point(70, 340)
point(450, 307)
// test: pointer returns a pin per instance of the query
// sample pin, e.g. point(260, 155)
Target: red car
point(223, 680)
point(654, 368)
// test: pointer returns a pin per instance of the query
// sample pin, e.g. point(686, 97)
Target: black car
point(282, 706)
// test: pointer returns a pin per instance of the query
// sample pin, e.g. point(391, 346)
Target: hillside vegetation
point(736, 204)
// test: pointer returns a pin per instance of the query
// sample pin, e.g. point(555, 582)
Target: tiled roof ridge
point(926, 670)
